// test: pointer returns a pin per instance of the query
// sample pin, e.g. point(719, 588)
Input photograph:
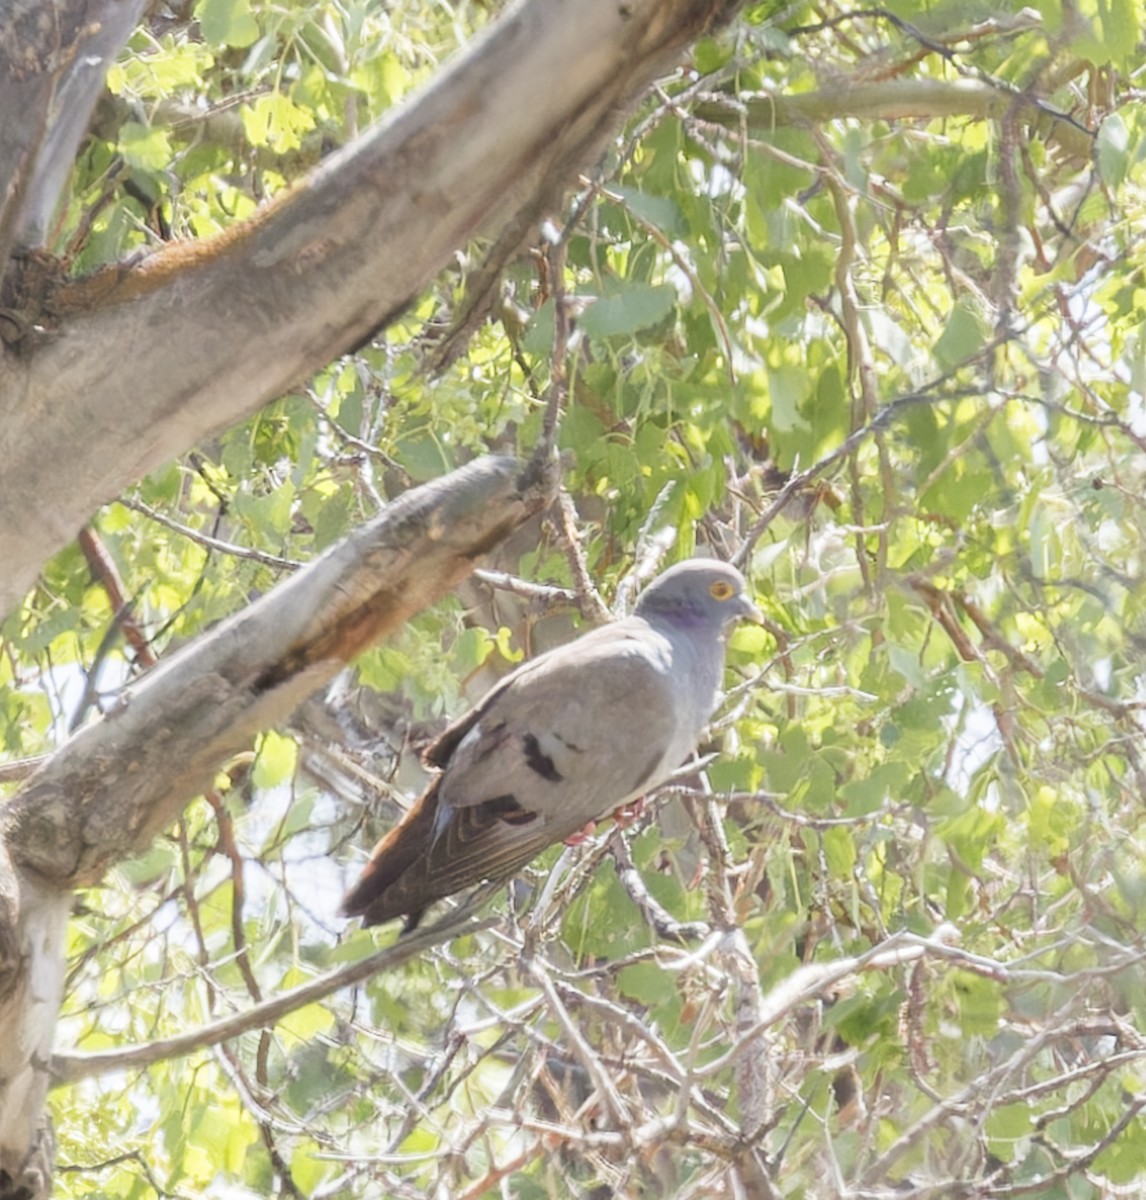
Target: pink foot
point(629, 814)
point(582, 835)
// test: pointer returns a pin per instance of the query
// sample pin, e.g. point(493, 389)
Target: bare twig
point(66, 1068)
point(592, 607)
point(206, 541)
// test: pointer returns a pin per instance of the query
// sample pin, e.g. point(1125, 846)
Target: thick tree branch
point(108, 790)
point(898, 99)
point(199, 335)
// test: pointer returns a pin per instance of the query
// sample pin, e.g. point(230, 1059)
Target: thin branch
point(893, 99)
point(589, 601)
point(660, 920)
point(799, 480)
point(207, 541)
point(67, 1068)
point(548, 595)
point(585, 1053)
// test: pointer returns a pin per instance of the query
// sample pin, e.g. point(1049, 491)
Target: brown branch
point(105, 572)
point(993, 638)
point(558, 395)
point(589, 601)
point(22, 768)
point(228, 847)
point(939, 604)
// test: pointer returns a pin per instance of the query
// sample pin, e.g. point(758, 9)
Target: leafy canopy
point(870, 264)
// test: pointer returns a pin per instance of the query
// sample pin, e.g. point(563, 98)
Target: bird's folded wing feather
point(581, 732)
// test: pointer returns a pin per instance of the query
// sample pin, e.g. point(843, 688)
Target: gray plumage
point(562, 741)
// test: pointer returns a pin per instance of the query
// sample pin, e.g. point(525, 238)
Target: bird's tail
point(374, 895)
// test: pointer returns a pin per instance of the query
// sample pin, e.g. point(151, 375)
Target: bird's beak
point(750, 612)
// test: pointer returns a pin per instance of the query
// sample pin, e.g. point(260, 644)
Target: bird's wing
point(417, 863)
point(581, 731)
point(560, 742)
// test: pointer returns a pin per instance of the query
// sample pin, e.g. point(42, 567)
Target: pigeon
point(561, 742)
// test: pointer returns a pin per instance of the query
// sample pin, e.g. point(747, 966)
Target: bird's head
point(701, 592)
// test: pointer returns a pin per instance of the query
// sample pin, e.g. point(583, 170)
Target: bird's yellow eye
point(721, 590)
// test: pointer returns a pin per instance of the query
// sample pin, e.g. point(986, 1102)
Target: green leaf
point(626, 311)
point(863, 1019)
point(144, 146)
point(887, 782)
point(980, 1004)
point(962, 338)
point(788, 387)
point(890, 337)
point(49, 628)
point(276, 762)
point(1051, 821)
point(227, 22)
point(840, 851)
point(422, 455)
point(1122, 29)
point(306, 1023)
point(332, 520)
point(149, 866)
point(1044, 543)
point(646, 983)
point(1005, 1126)
point(662, 212)
point(271, 513)
point(472, 648)
point(1124, 1160)
point(603, 921)
point(1112, 150)
point(787, 765)
point(538, 337)
point(905, 662)
point(739, 774)
point(276, 121)
point(383, 668)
